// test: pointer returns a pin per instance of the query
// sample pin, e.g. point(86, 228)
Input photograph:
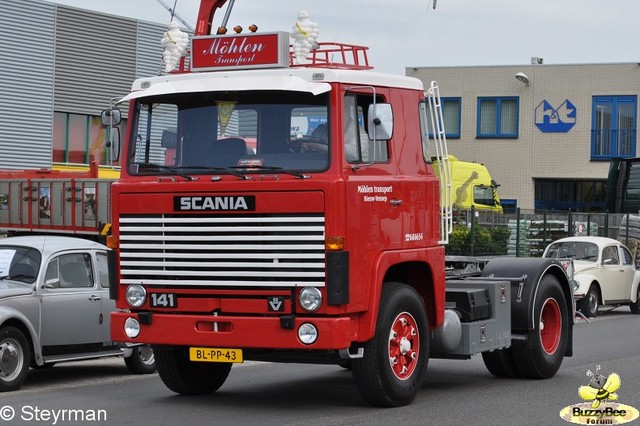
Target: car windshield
point(577, 250)
point(19, 263)
point(233, 133)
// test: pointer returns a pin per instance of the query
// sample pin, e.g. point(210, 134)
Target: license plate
point(215, 355)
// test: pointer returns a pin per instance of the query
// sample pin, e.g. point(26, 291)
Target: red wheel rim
point(550, 326)
point(404, 346)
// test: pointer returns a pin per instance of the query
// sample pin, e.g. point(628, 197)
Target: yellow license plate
point(215, 355)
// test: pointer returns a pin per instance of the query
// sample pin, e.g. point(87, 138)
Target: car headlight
point(136, 295)
point(310, 299)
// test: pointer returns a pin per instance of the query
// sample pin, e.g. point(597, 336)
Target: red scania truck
point(289, 212)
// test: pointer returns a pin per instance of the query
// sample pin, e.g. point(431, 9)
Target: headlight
point(310, 299)
point(131, 328)
point(136, 295)
point(307, 333)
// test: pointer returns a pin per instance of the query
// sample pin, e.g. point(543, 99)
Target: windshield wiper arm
point(167, 169)
point(228, 170)
point(275, 168)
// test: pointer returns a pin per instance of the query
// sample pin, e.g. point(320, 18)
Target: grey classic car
point(55, 307)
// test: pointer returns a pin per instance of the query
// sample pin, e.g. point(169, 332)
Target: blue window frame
point(451, 115)
point(613, 127)
point(498, 117)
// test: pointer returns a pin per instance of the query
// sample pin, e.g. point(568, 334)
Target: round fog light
point(310, 299)
point(131, 328)
point(307, 333)
point(136, 295)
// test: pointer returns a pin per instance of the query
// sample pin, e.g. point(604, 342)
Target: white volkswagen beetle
point(604, 271)
point(55, 307)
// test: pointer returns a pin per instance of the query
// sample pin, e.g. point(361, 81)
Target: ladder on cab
point(442, 158)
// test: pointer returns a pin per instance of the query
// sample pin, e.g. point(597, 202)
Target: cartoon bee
point(600, 388)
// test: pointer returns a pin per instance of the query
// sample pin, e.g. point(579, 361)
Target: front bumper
point(334, 333)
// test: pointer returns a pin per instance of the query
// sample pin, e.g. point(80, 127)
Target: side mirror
point(111, 117)
point(380, 122)
point(52, 283)
point(114, 144)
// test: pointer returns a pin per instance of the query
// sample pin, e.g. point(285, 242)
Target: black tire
point(500, 363)
point(401, 313)
point(345, 364)
point(541, 356)
point(635, 306)
point(186, 377)
point(15, 357)
point(589, 305)
point(141, 360)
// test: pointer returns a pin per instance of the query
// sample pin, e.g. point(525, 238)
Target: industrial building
point(546, 132)
point(63, 65)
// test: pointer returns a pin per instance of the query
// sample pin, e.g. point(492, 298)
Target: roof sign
point(238, 51)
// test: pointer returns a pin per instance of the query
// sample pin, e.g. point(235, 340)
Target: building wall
point(27, 83)
point(515, 163)
point(62, 59)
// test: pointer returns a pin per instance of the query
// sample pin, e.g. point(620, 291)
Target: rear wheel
point(186, 377)
point(15, 357)
point(541, 356)
point(500, 363)
point(589, 305)
point(395, 360)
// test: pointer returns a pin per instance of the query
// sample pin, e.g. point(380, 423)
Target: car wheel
point(141, 360)
point(635, 306)
point(395, 359)
point(15, 358)
point(589, 305)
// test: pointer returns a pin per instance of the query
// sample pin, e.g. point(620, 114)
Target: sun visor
point(226, 84)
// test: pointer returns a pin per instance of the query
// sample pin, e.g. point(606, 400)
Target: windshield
point(19, 263)
point(485, 195)
point(231, 132)
point(577, 250)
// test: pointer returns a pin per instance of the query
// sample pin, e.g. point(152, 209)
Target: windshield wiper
point(228, 170)
point(274, 168)
point(173, 170)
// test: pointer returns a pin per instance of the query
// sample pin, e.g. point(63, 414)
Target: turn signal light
point(334, 243)
point(112, 241)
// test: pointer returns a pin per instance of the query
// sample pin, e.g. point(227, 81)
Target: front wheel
point(589, 305)
point(15, 358)
point(141, 360)
point(541, 356)
point(186, 377)
point(395, 361)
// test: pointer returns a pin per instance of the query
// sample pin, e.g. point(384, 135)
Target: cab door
point(71, 302)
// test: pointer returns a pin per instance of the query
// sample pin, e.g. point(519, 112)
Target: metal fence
point(527, 233)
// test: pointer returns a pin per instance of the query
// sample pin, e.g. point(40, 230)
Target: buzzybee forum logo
point(600, 406)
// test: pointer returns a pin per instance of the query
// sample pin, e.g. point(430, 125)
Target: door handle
point(395, 202)
point(95, 298)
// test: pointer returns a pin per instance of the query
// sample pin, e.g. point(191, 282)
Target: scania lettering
point(216, 203)
point(291, 212)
